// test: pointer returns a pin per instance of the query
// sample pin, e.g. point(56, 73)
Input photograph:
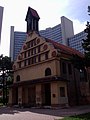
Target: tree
point(86, 43)
point(5, 70)
point(81, 63)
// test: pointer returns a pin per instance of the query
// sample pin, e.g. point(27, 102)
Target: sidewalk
point(10, 113)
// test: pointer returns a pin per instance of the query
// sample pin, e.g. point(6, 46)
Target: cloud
point(78, 26)
point(77, 9)
point(49, 11)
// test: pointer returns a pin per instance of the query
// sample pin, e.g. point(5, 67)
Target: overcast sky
point(49, 11)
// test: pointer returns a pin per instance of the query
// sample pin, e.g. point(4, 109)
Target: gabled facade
point(36, 76)
point(44, 75)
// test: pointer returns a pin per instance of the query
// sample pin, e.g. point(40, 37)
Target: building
point(76, 41)
point(58, 33)
point(1, 18)
point(56, 83)
point(16, 41)
point(44, 74)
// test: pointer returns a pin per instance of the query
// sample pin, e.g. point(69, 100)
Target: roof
point(39, 80)
point(65, 48)
point(32, 12)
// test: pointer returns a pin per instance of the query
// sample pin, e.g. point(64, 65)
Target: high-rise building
point(58, 33)
point(76, 41)
point(16, 41)
point(1, 18)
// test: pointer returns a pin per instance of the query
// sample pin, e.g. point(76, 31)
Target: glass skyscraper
point(16, 41)
point(76, 41)
point(1, 18)
point(62, 33)
point(54, 33)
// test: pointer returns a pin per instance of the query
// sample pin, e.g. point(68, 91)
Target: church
point(43, 72)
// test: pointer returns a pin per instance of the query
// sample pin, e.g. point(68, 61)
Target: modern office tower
point(61, 32)
point(76, 41)
point(1, 18)
point(54, 33)
point(67, 29)
point(58, 33)
point(16, 41)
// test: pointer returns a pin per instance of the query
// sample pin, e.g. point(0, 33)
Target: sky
point(50, 12)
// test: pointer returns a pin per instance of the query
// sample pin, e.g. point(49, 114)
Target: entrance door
point(15, 96)
point(31, 96)
point(47, 89)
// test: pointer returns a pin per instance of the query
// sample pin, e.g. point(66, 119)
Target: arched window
point(18, 78)
point(47, 72)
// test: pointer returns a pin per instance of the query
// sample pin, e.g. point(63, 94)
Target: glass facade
point(76, 41)
point(19, 39)
point(53, 33)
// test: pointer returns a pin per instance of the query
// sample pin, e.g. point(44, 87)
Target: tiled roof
point(33, 13)
point(65, 48)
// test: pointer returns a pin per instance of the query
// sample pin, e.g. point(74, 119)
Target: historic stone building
point(44, 74)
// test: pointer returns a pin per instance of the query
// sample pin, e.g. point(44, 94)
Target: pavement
point(11, 113)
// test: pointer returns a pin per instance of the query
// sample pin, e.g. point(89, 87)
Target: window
point(69, 69)
point(34, 41)
point(24, 54)
point(28, 53)
point(47, 72)
point(83, 75)
point(64, 67)
point(29, 61)
point(62, 91)
point(38, 49)
point(19, 64)
point(18, 78)
point(28, 44)
point(31, 43)
point(46, 55)
point(31, 51)
point(33, 60)
point(34, 50)
point(25, 63)
point(39, 58)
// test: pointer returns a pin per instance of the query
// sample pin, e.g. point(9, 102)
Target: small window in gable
point(47, 72)
point(64, 67)
point(46, 55)
point(18, 78)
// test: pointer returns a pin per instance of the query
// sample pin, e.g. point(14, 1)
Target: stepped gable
point(64, 48)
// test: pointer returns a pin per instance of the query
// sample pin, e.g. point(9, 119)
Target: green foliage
point(78, 62)
point(86, 43)
point(5, 63)
point(78, 117)
point(5, 72)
